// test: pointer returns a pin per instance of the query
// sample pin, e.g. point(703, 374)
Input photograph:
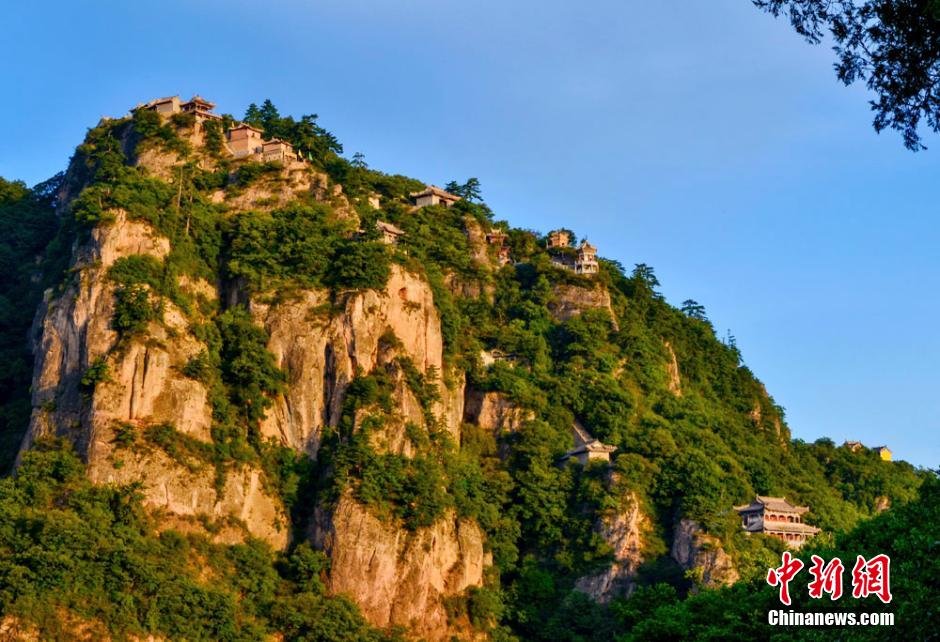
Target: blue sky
point(704, 139)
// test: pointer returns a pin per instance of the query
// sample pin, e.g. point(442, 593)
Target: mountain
point(275, 393)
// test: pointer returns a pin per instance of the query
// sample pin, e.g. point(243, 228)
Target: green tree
point(694, 310)
point(247, 367)
point(469, 191)
point(890, 45)
point(644, 277)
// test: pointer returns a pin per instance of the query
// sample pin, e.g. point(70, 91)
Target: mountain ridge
point(236, 335)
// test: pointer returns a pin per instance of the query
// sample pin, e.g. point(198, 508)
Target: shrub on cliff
point(247, 367)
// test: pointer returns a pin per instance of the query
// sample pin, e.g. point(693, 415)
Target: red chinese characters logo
point(869, 577)
point(783, 575)
point(872, 577)
point(826, 579)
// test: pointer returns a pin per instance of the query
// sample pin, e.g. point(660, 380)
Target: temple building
point(200, 108)
point(168, 105)
point(278, 151)
point(586, 261)
point(433, 195)
point(390, 233)
point(587, 448)
point(245, 140)
point(496, 236)
point(776, 517)
point(882, 451)
point(559, 238)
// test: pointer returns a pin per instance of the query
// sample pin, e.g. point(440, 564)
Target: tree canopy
point(893, 46)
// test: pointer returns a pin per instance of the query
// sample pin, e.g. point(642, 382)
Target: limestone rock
point(624, 531)
point(571, 300)
point(145, 386)
point(399, 577)
point(696, 551)
point(321, 347)
point(75, 327)
point(672, 371)
point(476, 239)
point(493, 411)
point(189, 490)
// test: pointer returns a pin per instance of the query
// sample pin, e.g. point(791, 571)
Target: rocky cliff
point(272, 368)
point(141, 385)
point(103, 392)
point(399, 577)
point(626, 531)
point(702, 555)
point(321, 345)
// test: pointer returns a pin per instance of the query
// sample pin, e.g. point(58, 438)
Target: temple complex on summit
point(242, 140)
point(883, 452)
point(168, 105)
point(776, 517)
point(584, 259)
point(197, 105)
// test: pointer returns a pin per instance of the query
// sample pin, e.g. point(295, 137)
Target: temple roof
point(160, 101)
point(246, 126)
point(436, 191)
point(200, 101)
point(776, 504)
point(388, 227)
point(277, 141)
point(584, 442)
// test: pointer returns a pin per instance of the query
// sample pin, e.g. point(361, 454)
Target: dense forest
point(690, 444)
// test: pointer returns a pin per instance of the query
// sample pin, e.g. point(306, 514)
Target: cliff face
point(356, 381)
point(494, 412)
point(570, 300)
point(144, 387)
point(625, 531)
point(321, 347)
point(399, 577)
point(696, 551)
